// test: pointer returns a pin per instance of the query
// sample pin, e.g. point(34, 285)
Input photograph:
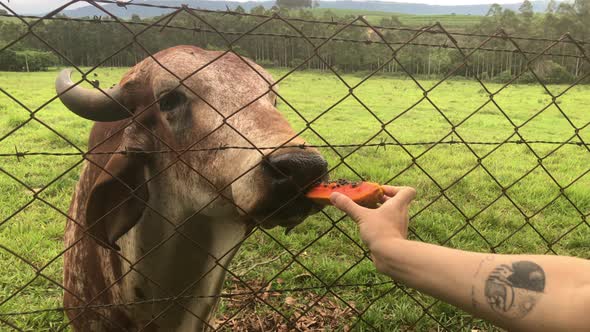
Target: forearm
point(518, 292)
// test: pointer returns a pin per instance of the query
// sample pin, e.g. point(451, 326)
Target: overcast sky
point(40, 6)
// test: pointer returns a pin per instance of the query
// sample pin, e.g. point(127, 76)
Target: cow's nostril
point(301, 168)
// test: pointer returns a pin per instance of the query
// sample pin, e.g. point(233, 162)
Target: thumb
point(405, 195)
point(347, 205)
point(402, 198)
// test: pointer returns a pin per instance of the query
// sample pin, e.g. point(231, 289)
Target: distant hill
point(393, 7)
point(150, 11)
point(423, 9)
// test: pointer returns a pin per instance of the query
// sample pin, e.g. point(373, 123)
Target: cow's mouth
point(286, 210)
point(290, 176)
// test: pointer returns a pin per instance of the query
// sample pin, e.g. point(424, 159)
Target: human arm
point(516, 292)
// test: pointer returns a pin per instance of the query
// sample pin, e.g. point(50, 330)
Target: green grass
point(448, 21)
point(407, 20)
point(35, 233)
point(374, 17)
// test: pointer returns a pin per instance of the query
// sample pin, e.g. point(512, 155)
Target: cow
point(161, 207)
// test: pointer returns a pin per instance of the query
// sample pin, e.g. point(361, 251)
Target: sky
point(40, 6)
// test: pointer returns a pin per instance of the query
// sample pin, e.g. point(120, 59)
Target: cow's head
point(223, 102)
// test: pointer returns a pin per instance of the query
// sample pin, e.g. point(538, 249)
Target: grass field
point(35, 232)
point(374, 17)
point(407, 20)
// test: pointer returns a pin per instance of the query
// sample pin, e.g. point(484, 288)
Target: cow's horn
point(90, 104)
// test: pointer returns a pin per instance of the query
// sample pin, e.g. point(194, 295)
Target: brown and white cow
point(151, 245)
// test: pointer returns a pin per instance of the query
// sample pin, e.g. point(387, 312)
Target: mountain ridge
point(393, 7)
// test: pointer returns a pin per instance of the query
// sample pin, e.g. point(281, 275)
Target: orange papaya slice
point(367, 194)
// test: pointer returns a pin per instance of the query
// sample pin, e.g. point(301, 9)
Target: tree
point(551, 7)
point(8, 61)
point(294, 3)
point(258, 10)
point(526, 9)
point(582, 7)
point(566, 9)
point(495, 10)
point(100, 41)
point(509, 20)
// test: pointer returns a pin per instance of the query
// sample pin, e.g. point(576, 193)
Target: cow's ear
point(118, 198)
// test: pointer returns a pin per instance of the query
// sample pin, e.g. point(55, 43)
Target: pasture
point(32, 216)
point(374, 17)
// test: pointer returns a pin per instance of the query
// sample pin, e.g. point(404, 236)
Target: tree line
point(291, 43)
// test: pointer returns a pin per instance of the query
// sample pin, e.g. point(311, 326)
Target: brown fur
point(97, 275)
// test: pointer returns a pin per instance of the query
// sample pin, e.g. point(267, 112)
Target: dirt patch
point(245, 311)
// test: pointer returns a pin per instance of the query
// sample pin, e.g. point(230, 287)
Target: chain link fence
point(521, 190)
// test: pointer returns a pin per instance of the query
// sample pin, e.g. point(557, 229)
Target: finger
point(384, 199)
point(402, 199)
point(347, 205)
point(405, 195)
point(390, 190)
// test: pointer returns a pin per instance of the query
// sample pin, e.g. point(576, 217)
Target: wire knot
point(123, 4)
point(19, 154)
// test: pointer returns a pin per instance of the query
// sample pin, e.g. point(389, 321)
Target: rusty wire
point(315, 42)
point(18, 154)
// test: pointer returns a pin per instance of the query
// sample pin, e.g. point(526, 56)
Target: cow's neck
point(186, 263)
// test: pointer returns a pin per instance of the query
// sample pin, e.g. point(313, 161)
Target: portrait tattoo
point(513, 291)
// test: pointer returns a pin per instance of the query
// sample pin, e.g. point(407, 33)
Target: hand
point(384, 224)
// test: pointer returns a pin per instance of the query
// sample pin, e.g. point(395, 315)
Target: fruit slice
point(366, 194)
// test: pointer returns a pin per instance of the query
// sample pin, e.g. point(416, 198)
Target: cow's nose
point(299, 168)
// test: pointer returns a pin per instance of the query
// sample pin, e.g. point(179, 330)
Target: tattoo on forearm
point(474, 302)
point(513, 291)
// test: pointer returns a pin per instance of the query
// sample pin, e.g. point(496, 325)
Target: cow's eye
point(171, 101)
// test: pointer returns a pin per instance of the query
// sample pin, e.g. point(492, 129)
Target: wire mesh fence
point(491, 176)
